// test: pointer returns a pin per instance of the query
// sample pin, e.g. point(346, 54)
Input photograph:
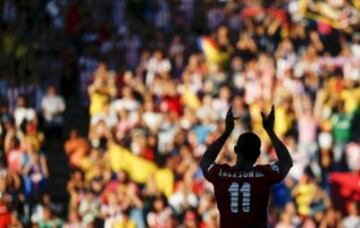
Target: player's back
point(242, 195)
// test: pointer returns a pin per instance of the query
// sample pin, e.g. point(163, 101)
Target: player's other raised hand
point(268, 121)
point(229, 120)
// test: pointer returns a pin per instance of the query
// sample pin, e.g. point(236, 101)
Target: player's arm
point(213, 150)
point(284, 159)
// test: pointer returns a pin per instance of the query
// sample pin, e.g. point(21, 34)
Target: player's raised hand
point(268, 121)
point(229, 120)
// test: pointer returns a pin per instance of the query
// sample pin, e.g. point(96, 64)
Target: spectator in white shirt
point(23, 113)
point(352, 220)
point(53, 107)
point(157, 64)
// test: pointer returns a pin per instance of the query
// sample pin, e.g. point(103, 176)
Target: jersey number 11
point(234, 190)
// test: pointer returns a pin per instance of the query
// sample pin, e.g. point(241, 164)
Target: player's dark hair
point(248, 145)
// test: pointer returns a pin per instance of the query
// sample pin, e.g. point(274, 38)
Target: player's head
point(248, 146)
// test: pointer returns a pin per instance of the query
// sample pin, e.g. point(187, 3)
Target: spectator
point(285, 222)
point(89, 207)
point(23, 113)
point(157, 65)
point(76, 148)
point(73, 220)
point(341, 122)
point(49, 219)
point(331, 219)
point(35, 173)
point(353, 218)
point(53, 107)
point(101, 90)
point(160, 213)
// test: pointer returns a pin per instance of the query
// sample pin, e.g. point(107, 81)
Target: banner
point(140, 169)
point(344, 189)
point(211, 50)
point(279, 14)
point(341, 15)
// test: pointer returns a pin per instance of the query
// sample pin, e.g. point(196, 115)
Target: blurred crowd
point(155, 101)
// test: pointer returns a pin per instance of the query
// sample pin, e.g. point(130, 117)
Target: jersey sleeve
point(272, 173)
point(210, 172)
